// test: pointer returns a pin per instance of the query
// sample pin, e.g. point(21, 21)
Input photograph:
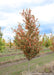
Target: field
point(16, 67)
point(11, 55)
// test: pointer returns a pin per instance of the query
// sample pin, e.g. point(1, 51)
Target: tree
point(27, 37)
point(10, 44)
point(2, 42)
point(52, 43)
point(46, 41)
point(2, 45)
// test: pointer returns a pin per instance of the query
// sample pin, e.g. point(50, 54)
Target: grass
point(17, 69)
point(13, 57)
point(9, 51)
point(44, 51)
point(7, 58)
point(12, 50)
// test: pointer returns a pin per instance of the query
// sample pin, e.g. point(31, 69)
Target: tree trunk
point(29, 72)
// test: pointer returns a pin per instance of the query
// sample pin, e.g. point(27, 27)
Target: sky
point(10, 15)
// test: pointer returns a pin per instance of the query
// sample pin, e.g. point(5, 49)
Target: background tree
point(9, 43)
point(27, 37)
point(15, 40)
point(52, 42)
point(46, 41)
point(2, 44)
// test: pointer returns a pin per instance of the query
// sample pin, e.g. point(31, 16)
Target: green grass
point(17, 69)
point(45, 51)
point(10, 51)
point(7, 58)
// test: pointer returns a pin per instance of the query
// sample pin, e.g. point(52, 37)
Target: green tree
point(2, 43)
point(46, 41)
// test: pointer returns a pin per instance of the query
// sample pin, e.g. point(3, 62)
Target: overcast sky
point(10, 9)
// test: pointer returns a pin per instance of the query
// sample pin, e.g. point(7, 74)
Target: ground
point(16, 67)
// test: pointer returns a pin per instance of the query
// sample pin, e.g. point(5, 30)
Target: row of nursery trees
point(27, 36)
point(47, 40)
point(2, 44)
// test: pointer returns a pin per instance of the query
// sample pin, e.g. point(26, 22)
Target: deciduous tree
point(27, 35)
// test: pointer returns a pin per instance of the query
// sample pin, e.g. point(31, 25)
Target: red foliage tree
point(27, 38)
